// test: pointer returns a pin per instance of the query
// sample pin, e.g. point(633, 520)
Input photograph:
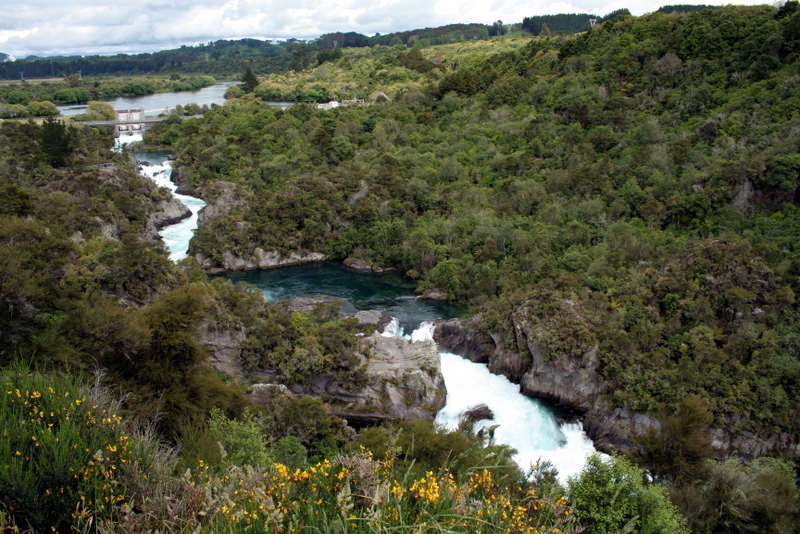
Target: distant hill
point(568, 23)
point(684, 8)
point(450, 33)
point(232, 57)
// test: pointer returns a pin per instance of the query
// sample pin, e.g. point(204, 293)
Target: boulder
point(434, 294)
point(168, 211)
point(373, 318)
point(359, 265)
point(479, 412)
point(404, 381)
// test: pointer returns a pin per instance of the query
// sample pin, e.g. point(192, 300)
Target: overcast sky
point(68, 27)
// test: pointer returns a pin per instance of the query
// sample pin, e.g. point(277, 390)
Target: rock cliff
point(404, 381)
point(165, 212)
point(565, 373)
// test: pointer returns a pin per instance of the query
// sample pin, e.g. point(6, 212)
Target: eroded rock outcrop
point(404, 379)
point(260, 259)
point(165, 212)
point(564, 355)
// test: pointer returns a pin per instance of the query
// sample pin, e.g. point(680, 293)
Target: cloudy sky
point(67, 27)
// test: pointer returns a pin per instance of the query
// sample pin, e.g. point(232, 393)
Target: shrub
point(61, 455)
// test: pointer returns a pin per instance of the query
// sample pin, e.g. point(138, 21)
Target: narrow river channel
point(525, 424)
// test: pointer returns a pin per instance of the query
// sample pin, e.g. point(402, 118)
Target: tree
point(56, 141)
point(498, 28)
point(18, 97)
point(611, 496)
point(678, 451)
point(249, 81)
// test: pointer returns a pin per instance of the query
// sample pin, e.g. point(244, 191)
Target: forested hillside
point(644, 171)
point(620, 203)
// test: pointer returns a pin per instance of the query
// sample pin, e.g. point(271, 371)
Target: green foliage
point(760, 496)
point(249, 81)
point(137, 89)
point(17, 97)
point(243, 441)
point(306, 420)
point(678, 451)
point(289, 451)
point(61, 455)
point(420, 446)
point(72, 96)
point(300, 345)
point(57, 141)
point(611, 496)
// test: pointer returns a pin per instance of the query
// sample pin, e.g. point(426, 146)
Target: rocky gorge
point(562, 370)
point(571, 382)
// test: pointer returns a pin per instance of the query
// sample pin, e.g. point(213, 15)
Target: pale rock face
point(434, 294)
point(224, 347)
point(408, 374)
point(259, 260)
point(404, 381)
point(168, 211)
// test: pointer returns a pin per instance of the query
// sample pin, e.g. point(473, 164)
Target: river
point(526, 424)
point(160, 102)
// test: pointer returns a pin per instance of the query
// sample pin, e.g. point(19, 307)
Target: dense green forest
point(633, 169)
point(632, 188)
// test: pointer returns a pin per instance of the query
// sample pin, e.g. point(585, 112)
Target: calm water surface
point(391, 293)
point(156, 103)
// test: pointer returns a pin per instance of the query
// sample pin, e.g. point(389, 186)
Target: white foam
point(392, 329)
point(423, 332)
point(175, 236)
point(525, 424)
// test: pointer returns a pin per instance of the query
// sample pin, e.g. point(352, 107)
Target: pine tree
point(249, 81)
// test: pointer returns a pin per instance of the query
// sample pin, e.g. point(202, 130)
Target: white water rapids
point(175, 236)
point(524, 423)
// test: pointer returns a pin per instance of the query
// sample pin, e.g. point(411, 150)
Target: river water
point(161, 102)
point(525, 424)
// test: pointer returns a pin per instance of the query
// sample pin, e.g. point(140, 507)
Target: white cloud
point(43, 27)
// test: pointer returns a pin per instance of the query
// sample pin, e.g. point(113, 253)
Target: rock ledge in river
point(404, 381)
point(260, 259)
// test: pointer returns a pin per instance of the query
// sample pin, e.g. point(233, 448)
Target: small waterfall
point(175, 236)
point(425, 331)
point(524, 423)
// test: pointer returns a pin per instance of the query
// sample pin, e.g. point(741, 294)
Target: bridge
point(128, 120)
